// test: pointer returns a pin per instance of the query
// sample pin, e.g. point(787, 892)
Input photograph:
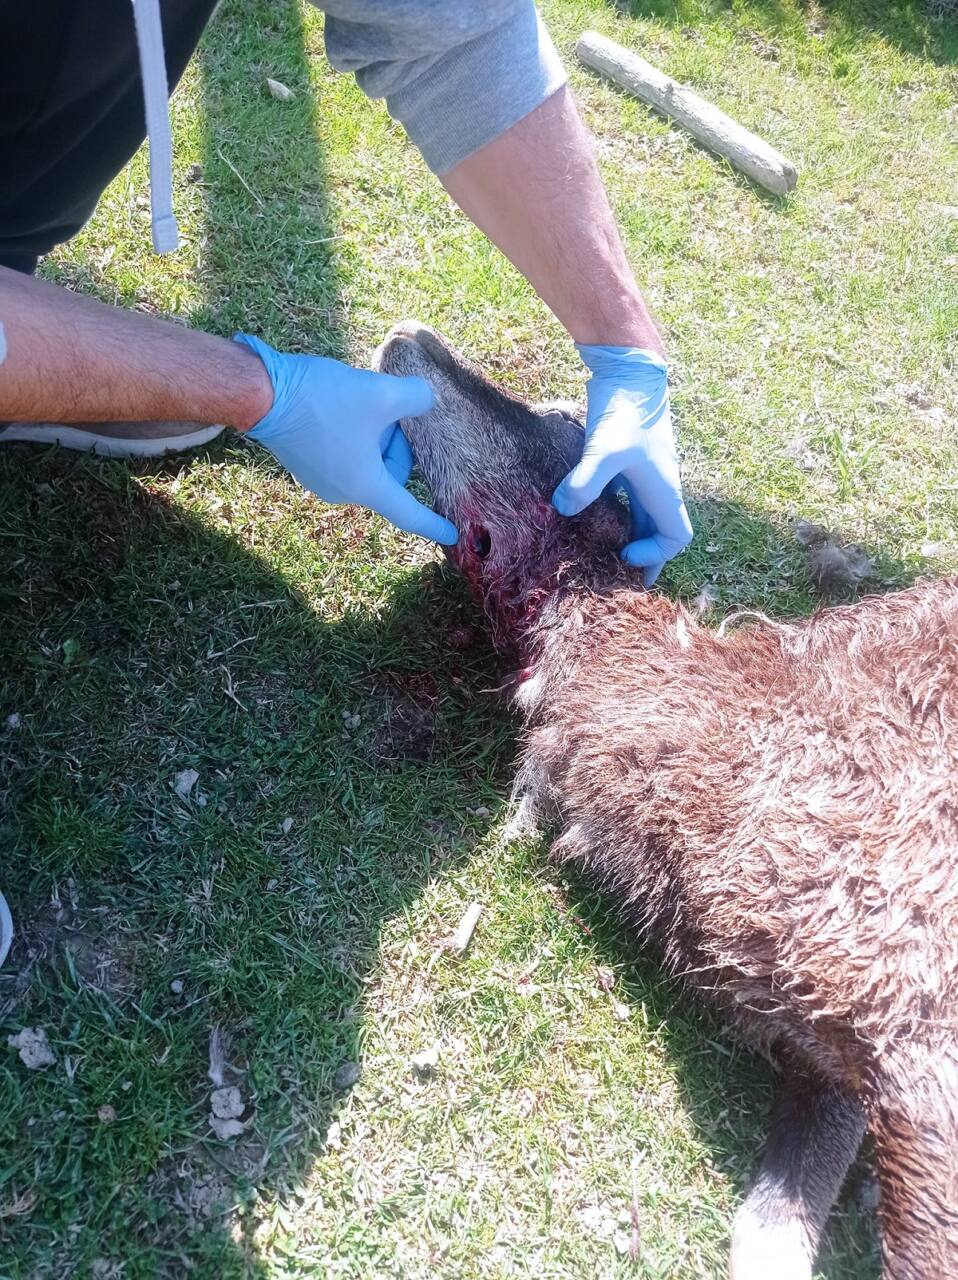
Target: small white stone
point(467, 927)
point(176, 986)
point(427, 1060)
point(184, 782)
point(14, 721)
point(33, 1047)
point(799, 452)
point(227, 1103)
point(226, 1129)
point(279, 90)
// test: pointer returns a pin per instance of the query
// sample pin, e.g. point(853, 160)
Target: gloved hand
point(335, 429)
point(628, 437)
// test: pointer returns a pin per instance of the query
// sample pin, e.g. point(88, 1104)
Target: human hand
point(336, 430)
point(628, 435)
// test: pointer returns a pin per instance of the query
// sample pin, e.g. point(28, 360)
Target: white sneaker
point(113, 439)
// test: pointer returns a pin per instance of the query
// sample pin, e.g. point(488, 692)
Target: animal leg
point(815, 1134)
point(915, 1123)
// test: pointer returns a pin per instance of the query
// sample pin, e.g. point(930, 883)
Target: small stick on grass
point(467, 927)
point(236, 173)
point(707, 124)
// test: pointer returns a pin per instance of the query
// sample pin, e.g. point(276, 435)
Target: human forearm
point(536, 192)
point(71, 359)
point(64, 358)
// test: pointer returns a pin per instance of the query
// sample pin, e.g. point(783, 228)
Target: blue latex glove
point(629, 440)
point(335, 429)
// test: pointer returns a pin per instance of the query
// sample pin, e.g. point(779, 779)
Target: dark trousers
point(71, 110)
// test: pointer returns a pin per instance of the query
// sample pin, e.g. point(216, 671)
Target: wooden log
point(707, 124)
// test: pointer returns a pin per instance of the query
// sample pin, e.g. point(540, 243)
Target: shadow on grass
point(726, 1089)
point(137, 644)
point(140, 648)
point(911, 27)
point(254, 902)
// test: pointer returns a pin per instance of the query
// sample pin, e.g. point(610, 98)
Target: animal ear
point(567, 410)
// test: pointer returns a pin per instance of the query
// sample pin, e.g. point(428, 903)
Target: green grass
point(204, 614)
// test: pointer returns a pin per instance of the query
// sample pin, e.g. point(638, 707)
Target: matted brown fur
point(776, 809)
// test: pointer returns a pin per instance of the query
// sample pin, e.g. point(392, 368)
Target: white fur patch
point(767, 1250)
point(682, 633)
point(529, 693)
point(523, 820)
point(741, 614)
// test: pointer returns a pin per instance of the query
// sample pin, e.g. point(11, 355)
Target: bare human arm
point(72, 359)
point(535, 191)
point(537, 194)
point(65, 358)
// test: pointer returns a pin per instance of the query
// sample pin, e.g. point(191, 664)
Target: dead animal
point(775, 808)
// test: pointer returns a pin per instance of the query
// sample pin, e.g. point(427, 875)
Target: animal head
point(491, 462)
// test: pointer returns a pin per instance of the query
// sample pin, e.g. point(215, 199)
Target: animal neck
point(524, 604)
point(591, 624)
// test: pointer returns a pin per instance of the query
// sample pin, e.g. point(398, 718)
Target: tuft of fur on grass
point(836, 568)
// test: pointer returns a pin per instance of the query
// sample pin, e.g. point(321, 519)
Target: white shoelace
point(156, 93)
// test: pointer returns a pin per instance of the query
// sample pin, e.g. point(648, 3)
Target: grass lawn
point(352, 766)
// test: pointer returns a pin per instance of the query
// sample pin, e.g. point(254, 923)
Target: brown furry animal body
point(776, 809)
